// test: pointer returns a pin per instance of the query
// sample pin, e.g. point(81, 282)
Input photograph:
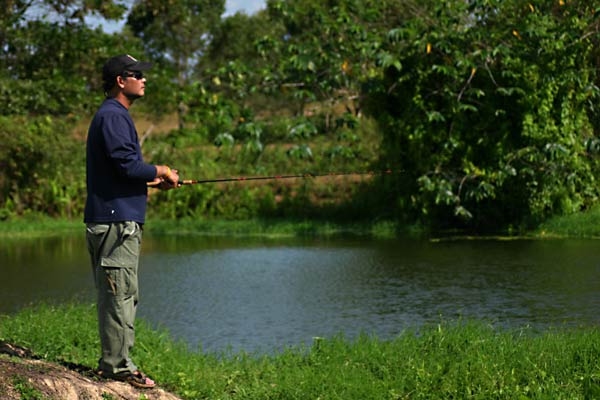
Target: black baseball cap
point(119, 64)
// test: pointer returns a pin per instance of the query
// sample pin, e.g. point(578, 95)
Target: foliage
point(68, 12)
point(198, 158)
point(326, 50)
point(215, 113)
point(44, 71)
point(175, 30)
point(234, 39)
point(176, 33)
point(486, 106)
point(43, 168)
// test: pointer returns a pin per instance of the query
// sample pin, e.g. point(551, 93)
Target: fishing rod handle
point(180, 182)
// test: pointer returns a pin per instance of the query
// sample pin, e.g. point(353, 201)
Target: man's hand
point(171, 179)
point(167, 178)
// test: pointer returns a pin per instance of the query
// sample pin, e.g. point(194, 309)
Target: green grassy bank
point(451, 360)
point(38, 226)
point(584, 224)
point(44, 226)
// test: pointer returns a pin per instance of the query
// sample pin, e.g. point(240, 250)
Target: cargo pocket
point(120, 282)
point(95, 237)
point(126, 248)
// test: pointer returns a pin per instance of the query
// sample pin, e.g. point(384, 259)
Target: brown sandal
point(137, 378)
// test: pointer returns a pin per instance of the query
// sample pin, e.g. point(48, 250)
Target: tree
point(233, 68)
point(176, 32)
point(486, 107)
point(235, 37)
point(327, 48)
point(50, 61)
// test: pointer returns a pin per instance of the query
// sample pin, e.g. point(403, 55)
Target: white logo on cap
point(132, 58)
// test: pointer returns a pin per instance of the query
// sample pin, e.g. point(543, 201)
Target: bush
point(44, 167)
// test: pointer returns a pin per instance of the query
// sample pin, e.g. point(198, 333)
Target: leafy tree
point(328, 46)
point(295, 53)
point(15, 13)
point(52, 65)
point(232, 65)
point(332, 48)
point(176, 33)
point(235, 37)
point(485, 106)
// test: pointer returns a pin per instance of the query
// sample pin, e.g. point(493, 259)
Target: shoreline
point(41, 227)
point(582, 225)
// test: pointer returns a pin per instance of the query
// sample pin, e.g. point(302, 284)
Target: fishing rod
point(274, 177)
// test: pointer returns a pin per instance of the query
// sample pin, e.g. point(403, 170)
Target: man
point(117, 180)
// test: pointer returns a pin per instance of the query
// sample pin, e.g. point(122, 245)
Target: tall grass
point(582, 224)
point(38, 225)
point(454, 360)
point(43, 226)
point(277, 227)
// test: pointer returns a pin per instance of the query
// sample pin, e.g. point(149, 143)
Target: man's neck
point(121, 98)
point(124, 100)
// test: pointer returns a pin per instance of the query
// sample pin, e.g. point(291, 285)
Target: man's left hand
point(163, 184)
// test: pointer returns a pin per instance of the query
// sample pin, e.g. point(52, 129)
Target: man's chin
point(133, 97)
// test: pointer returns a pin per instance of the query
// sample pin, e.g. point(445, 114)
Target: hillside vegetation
point(485, 111)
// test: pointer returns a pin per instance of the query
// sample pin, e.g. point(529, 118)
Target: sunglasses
point(137, 75)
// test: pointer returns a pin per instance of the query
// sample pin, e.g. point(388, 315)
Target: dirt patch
point(22, 375)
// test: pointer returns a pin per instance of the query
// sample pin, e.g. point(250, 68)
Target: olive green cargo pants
point(114, 250)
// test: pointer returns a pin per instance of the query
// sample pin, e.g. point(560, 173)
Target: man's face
point(134, 84)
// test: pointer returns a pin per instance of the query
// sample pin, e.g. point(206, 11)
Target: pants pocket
point(120, 282)
point(125, 249)
point(96, 235)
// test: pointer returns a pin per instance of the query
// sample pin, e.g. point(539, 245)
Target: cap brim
point(140, 66)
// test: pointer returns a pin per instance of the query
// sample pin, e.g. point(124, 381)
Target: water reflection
point(260, 294)
point(50, 269)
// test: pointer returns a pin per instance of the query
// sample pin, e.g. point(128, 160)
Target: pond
point(223, 293)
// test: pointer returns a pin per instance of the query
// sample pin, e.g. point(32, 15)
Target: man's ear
point(120, 81)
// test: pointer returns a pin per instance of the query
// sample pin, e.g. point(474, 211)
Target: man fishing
point(115, 210)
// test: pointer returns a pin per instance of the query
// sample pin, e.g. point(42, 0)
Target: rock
point(22, 376)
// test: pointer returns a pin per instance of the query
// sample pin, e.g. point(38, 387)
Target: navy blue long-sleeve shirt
point(116, 172)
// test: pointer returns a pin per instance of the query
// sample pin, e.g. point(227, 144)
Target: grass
point(580, 225)
point(583, 224)
point(26, 390)
point(45, 227)
point(38, 226)
point(275, 228)
point(461, 359)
